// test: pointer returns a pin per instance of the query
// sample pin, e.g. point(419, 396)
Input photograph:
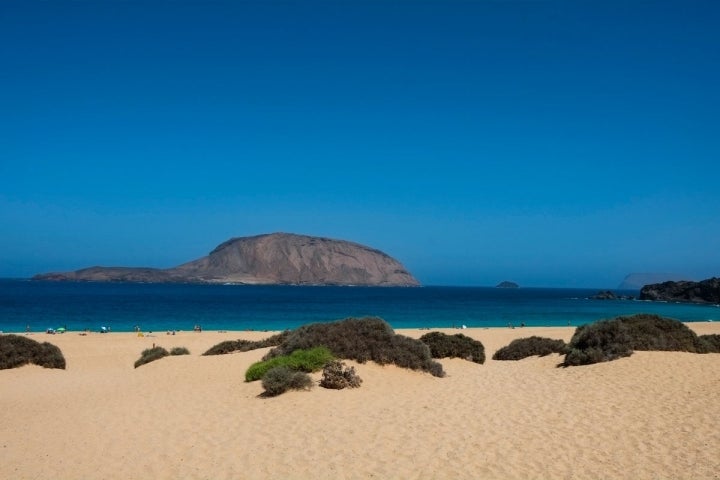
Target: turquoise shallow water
point(42, 305)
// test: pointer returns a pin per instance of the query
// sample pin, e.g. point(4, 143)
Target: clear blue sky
point(552, 143)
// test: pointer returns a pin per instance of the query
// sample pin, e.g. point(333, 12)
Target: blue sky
point(552, 143)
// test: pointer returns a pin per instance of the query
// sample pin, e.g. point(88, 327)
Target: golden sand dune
point(652, 415)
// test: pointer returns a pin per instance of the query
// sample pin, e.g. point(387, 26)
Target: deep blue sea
point(161, 307)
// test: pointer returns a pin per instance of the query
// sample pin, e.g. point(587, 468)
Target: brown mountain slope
point(278, 258)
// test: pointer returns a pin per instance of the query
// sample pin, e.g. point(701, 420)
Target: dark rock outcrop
point(273, 259)
point(604, 295)
point(705, 291)
point(609, 295)
point(507, 284)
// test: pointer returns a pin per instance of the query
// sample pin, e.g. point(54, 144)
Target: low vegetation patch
point(710, 343)
point(655, 333)
point(454, 346)
point(230, 346)
point(150, 355)
point(17, 350)
point(362, 340)
point(310, 360)
point(282, 378)
point(608, 340)
point(179, 351)
point(337, 376)
point(529, 347)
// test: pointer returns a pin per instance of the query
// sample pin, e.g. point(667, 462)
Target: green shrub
point(280, 379)
point(179, 351)
point(454, 346)
point(608, 340)
point(230, 346)
point(49, 356)
point(599, 342)
point(655, 333)
point(300, 360)
point(528, 347)
point(16, 351)
point(409, 353)
point(150, 355)
point(710, 343)
point(337, 377)
point(362, 340)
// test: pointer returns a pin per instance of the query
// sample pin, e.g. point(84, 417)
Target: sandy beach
point(650, 416)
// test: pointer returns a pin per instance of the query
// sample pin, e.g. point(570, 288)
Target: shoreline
point(444, 329)
point(650, 415)
point(165, 307)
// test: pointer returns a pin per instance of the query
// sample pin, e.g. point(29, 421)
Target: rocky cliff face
point(706, 291)
point(279, 258)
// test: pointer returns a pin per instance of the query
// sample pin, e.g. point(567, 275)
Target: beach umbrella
point(60, 330)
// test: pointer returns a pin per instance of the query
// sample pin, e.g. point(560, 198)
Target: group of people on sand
point(196, 328)
point(104, 329)
point(510, 325)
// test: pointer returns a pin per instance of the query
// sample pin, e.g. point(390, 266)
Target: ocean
point(120, 307)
